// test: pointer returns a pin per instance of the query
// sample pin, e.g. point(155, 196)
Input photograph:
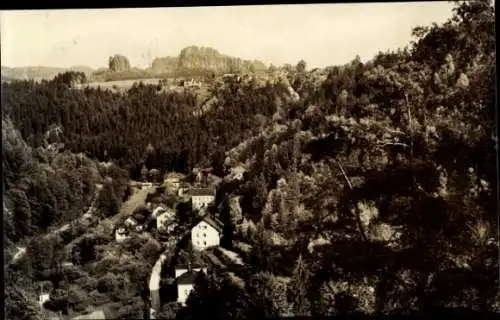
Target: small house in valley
point(185, 284)
point(130, 222)
point(191, 83)
point(121, 234)
point(186, 279)
point(206, 233)
point(201, 197)
point(165, 222)
point(43, 298)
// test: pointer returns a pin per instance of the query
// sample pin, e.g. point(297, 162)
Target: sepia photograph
point(250, 161)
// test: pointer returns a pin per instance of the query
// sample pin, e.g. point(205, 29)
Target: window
point(204, 243)
point(204, 235)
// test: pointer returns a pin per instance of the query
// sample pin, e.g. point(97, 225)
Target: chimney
point(189, 266)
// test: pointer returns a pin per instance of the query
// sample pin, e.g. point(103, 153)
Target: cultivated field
point(119, 84)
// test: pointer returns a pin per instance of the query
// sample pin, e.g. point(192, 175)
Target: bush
point(150, 251)
point(169, 310)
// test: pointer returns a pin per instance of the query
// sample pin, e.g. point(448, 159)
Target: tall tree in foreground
point(299, 288)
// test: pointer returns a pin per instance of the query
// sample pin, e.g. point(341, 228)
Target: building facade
point(200, 202)
point(183, 291)
point(201, 197)
point(206, 234)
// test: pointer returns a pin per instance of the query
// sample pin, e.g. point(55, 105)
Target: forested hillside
point(108, 125)
point(44, 188)
point(373, 190)
point(378, 193)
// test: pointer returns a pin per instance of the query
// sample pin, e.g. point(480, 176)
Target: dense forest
point(375, 191)
point(112, 126)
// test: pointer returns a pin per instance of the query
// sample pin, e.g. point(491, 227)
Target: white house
point(201, 197)
point(185, 284)
point(121, 234)
point(43, 298)
point(192, 83)
point(206, 233)
point(165, 221)
point(130, 222)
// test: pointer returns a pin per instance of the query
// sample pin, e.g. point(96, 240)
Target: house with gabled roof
point(182, 268)
point(185, 284)
point(206, 232)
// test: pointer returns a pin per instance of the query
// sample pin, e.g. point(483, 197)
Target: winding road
point(154, 283)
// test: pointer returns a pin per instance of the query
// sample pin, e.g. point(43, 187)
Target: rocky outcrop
point(165, 64)
point(205, 59)
point(118, 63)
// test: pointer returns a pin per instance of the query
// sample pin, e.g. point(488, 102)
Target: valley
point(214, 186)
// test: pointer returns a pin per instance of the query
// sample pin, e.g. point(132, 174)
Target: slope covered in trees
point(376, 192)
point(44, 188)
point(107, 125)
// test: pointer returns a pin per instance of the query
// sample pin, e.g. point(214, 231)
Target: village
point(180, 216)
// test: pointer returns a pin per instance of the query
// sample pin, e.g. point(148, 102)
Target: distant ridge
point(39, 72)
point(191, 61)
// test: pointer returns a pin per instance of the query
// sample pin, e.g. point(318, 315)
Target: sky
point(321, 34)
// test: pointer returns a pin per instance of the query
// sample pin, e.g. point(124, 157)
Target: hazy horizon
point(322, 35)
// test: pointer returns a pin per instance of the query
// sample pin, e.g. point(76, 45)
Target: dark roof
point(201, 192)
point(194, 265)
point(187, 277)
point(214, 222)
point(208, 218)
